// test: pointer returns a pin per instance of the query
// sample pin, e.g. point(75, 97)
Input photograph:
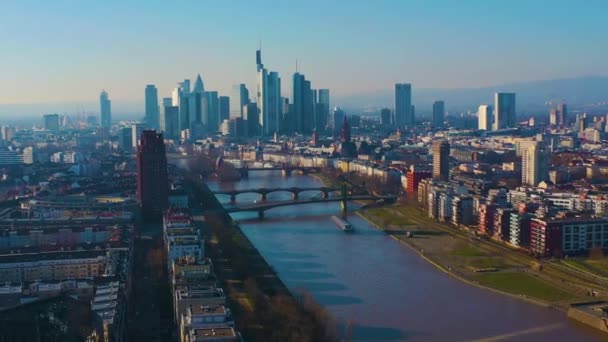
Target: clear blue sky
point(67, 51)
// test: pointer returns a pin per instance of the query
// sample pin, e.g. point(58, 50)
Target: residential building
point(441, 160)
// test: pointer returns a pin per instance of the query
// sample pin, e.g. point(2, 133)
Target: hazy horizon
point(349, 48)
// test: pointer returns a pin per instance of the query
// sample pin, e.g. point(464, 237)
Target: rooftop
point(208, 310)
point(212, 333)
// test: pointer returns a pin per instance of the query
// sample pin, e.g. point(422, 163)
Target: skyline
point(439, 45)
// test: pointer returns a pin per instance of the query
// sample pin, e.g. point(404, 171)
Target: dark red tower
point(345, 133)
point(152, 178)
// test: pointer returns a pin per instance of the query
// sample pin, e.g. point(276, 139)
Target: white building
point(484, 117)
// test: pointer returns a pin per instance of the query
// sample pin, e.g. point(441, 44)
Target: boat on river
point(342, 224)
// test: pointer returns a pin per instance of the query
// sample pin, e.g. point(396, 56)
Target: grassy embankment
point(481, 262)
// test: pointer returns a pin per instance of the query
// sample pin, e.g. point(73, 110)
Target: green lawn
point(598, 267)
point(467, 251)
point(387, 217)
point(522, 284)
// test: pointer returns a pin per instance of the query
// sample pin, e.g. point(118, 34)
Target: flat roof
point(208, 309)
point(213, 333)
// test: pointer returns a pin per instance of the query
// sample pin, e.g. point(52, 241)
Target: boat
point(342, 224)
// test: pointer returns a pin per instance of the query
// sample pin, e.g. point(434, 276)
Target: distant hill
point(580, 91)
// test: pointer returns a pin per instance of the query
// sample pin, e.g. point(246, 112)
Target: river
point(379, 288)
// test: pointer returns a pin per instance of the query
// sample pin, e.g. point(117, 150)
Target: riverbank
point(474, 261)
point(263, 307)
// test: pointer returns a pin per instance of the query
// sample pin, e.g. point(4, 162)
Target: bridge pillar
point(232, 198)
point(325, 194)
point(295, 195)
point(263, 197)
point(286, 172)
point(344, 211)
point(244, 172)
point(261, 214)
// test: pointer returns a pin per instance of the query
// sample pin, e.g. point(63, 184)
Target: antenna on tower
point(296, 65)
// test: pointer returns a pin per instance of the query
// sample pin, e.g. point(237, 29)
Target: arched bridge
point(263, 192)
point(261, 208)
point(285, 168)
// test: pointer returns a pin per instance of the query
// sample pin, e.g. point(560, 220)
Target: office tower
point(530, 160)
point(136, 130)
point(152, 110)
point(438, 114)
point(181, 98)
point(322, 110)
point(199, 87)
point(51, 122)
point(504, 111)
point(251, 115)
point(268, 97)
point(403, 105)
point(224, 104)
point(239, 98)
point(210, 116)
point(385, 117)
point(105, 110)
point(553, 117)
point(558, 116)
point(562, 117)
point(152, 178)
point(303, 104)
point(441, 160)
point(338, 119)
point(484, 117)
point(169, 120)
point(125, 139)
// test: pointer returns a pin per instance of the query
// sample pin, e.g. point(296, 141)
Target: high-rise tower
point(441, 160)
point(403, 105)
point(438, 114)
point(106, 110)
point(152, 110)
point(152, 178)
point(504, 111)
point(484, 117)
point(268, 97)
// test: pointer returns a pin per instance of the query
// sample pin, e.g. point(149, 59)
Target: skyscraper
point(152, 178)
point(136, 130)
point(211, 111)
point(322, 110)
point(251, 115)
point(125, 139)
point(268, 97)
point(338, 119)
point(385, 117)
point(562, 118)
point(484, 117)
point(239, 98)
point(504, 111)
point(181, 98)
point(303, 104)
point(530, 174)
point(105, 110)
point(51, 122)
point(403, 105)
point(438, 114)
point(169, 119)
point(224, 104)
point(152, 110)
point(441, 160)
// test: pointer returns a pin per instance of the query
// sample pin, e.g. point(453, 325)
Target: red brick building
point(414, 176)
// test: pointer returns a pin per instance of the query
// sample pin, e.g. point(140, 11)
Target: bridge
point(263, 192)
point(285, 168)
point(261, 208)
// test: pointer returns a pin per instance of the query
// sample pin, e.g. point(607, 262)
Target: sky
point(68, 51)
